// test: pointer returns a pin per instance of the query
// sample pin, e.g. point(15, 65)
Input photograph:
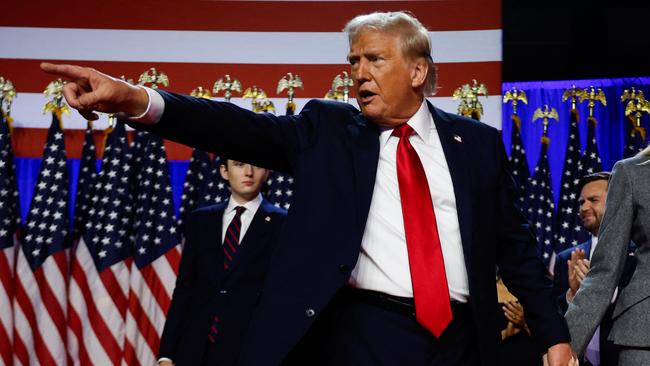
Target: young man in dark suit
point(223, 267)
point(573, 264)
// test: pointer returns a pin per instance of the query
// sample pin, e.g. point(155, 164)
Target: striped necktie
point(230, 247)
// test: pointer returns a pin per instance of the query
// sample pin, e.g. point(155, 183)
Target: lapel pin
point(267, 219)
point(458, 138)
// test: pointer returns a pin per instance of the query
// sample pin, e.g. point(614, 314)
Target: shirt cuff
point(164, 359)
point(154, 111)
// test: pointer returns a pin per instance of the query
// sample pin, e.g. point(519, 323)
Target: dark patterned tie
point(230, 247)
point(430, 291)
point(231, 242)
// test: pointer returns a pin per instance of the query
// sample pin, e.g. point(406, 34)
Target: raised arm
point(89, 91)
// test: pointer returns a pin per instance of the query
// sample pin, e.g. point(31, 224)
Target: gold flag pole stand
point(228, 86)
point(545, 114)
point(290, 82)
point(470, 106)
point(515, 96)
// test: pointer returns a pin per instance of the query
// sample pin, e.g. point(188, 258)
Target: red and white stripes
point(7, 257)
point(40, 303)
point(97, 310)
point(150, 294)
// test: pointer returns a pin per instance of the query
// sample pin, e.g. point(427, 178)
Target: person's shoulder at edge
point(641, 160)
point(211, 208)
point(271, 208)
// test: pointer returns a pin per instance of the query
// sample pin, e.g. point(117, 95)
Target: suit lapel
point(365, 156)
point(451, 138)
point(254, 239)
point(588, 249)
point(213, 245)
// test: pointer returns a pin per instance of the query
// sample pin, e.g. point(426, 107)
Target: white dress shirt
point(594, 242)
point(246, 216)
point(383, 261)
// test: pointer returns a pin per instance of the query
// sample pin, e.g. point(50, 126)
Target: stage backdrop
point(611, 131)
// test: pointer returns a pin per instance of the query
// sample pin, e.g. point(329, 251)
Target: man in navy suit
point(573, 264)
point(224, 264)
point(400, 214)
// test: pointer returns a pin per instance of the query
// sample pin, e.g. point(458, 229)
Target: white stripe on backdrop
point(222, 47)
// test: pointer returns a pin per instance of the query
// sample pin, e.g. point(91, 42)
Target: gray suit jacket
point(627, 217)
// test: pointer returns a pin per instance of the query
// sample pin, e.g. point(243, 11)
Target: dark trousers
point(357, 330)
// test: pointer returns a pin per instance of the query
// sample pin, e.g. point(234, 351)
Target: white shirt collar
point(251, 206)
point(594, 241)
point(421, 122)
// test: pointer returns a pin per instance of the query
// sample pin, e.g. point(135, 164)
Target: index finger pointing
point(68, 72)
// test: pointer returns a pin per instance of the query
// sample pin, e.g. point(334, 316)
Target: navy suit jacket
point(332, 152)
point(205, 289)
point(608, 350)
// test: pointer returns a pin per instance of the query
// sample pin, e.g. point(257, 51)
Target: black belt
point(397, 304)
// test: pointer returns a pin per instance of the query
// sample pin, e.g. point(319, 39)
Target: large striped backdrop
point(198, 42)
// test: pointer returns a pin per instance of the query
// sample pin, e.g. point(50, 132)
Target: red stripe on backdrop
point(5, 273)
point(49, 299)
point(20, 351)
point(156, 286)
point(40, 346)
point(74, 324)
point(174, 259)
point(29, 142)
point(130, 356)
point(7, 283)
point(109, 343)
point(5, 347)
point(113, 287)
point(279, 16)
point(184, 77)
point(146, 329)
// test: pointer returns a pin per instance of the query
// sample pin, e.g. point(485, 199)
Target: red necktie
point(430, 291)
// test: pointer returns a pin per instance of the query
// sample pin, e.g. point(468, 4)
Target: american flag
point(85, 183)
point(279, 189)
point(540, 208)
point(203, 186)
point(569, 224)
point(10, 219)
point(517, 161)
point(634, 141)
point(156, 251)
point(83, 202)
point(98, 293)
point(41, 276)
point(591, 159)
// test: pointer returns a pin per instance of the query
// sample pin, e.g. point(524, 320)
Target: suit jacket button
point(310, 313)
point(344, 268)
point(223, 292)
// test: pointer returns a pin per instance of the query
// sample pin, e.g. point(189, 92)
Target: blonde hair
point(413, 35)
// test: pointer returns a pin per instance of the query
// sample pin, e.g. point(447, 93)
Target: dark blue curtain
point(611, 131)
